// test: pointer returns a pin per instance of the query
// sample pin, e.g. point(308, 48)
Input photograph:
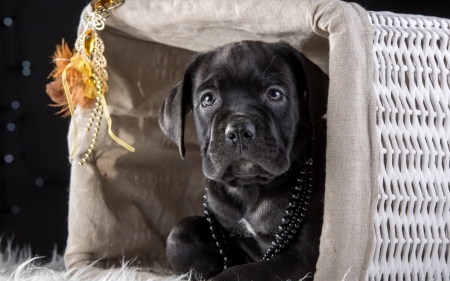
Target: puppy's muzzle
point(240, 130)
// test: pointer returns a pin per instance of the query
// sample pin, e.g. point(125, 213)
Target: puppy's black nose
point(240, 131)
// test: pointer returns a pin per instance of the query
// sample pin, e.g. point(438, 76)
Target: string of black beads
point(218, 233)
point(292, 222)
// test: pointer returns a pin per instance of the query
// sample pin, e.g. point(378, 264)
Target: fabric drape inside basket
point(127, 203)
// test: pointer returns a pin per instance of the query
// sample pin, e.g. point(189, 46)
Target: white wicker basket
point(412, 223)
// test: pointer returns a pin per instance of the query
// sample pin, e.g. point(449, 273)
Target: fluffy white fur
point(19, 265)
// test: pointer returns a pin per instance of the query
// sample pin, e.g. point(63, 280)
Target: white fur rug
point(20, 265)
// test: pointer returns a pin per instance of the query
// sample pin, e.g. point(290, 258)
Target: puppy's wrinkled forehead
point(242, 64)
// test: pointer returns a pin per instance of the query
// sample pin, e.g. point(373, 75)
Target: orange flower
point(80, 84)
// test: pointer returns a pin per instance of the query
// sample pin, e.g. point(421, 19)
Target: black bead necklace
point(290, 223)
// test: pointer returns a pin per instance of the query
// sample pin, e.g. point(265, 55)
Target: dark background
point(34, 186)
point(34, 167)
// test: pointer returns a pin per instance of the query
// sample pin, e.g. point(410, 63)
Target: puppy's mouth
point(244, 172)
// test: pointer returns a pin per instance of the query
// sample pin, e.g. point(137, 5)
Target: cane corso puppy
point(256, 108)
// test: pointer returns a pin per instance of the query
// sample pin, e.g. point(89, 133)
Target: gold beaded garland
point(90, 47)
point(98, 111)
point(88, 67)
point(84, 76)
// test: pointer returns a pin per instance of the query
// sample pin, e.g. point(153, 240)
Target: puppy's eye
point(274, 95)
point(208, 99)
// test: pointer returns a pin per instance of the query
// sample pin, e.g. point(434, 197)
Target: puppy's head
point(251, 102)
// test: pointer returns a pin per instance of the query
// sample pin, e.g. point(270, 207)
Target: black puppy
point(255, 107)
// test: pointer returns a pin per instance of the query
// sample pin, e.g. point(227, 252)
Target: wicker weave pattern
point(412, 224)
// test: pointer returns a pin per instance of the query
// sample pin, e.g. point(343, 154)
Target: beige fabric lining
point(132, 209)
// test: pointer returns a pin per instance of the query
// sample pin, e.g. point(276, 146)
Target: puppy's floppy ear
point(317, 83)
point(312, 80)
point(174, 109)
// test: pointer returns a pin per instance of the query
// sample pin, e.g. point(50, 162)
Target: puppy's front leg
point(190, 246)
point(283, 267)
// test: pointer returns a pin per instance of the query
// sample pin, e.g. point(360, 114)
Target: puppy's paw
point(234, 274)
point(222, 277)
